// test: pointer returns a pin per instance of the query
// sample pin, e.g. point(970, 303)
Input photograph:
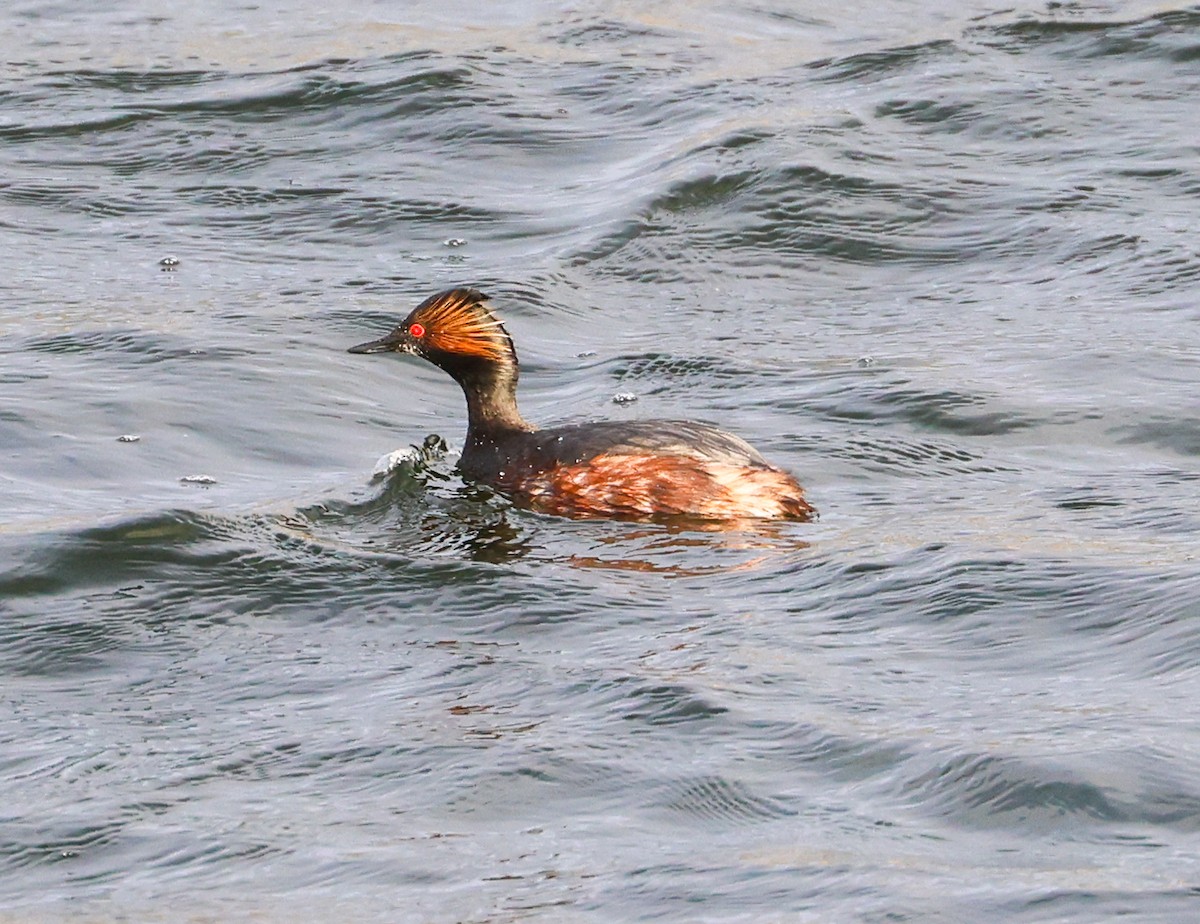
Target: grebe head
point(451, 329)
point(456, 331)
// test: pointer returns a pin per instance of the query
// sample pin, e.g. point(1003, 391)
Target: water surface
point(940, 261)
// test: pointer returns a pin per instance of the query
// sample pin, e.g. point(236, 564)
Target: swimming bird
point(619, 469)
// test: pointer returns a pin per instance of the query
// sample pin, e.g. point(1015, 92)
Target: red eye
point(417, 330)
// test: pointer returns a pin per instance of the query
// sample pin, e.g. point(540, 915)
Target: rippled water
point(939, 260)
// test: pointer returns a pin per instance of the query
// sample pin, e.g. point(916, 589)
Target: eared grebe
point(645, 469)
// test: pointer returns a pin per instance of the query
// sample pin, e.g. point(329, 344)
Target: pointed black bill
point(382, 345)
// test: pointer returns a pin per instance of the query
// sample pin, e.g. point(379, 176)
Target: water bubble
point(205, 480)
point(454, 242)
point(168, 263)
point(624, 397)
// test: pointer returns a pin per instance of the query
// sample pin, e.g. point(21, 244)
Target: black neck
point(491, 391)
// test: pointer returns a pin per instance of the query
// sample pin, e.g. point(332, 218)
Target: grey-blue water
point(940, 260)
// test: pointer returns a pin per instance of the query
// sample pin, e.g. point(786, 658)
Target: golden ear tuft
point(458, 321)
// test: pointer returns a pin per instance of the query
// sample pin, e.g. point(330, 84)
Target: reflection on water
point(420, 508)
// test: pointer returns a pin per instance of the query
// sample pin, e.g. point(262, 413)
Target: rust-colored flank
point(645, 486)
point(636, 470)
